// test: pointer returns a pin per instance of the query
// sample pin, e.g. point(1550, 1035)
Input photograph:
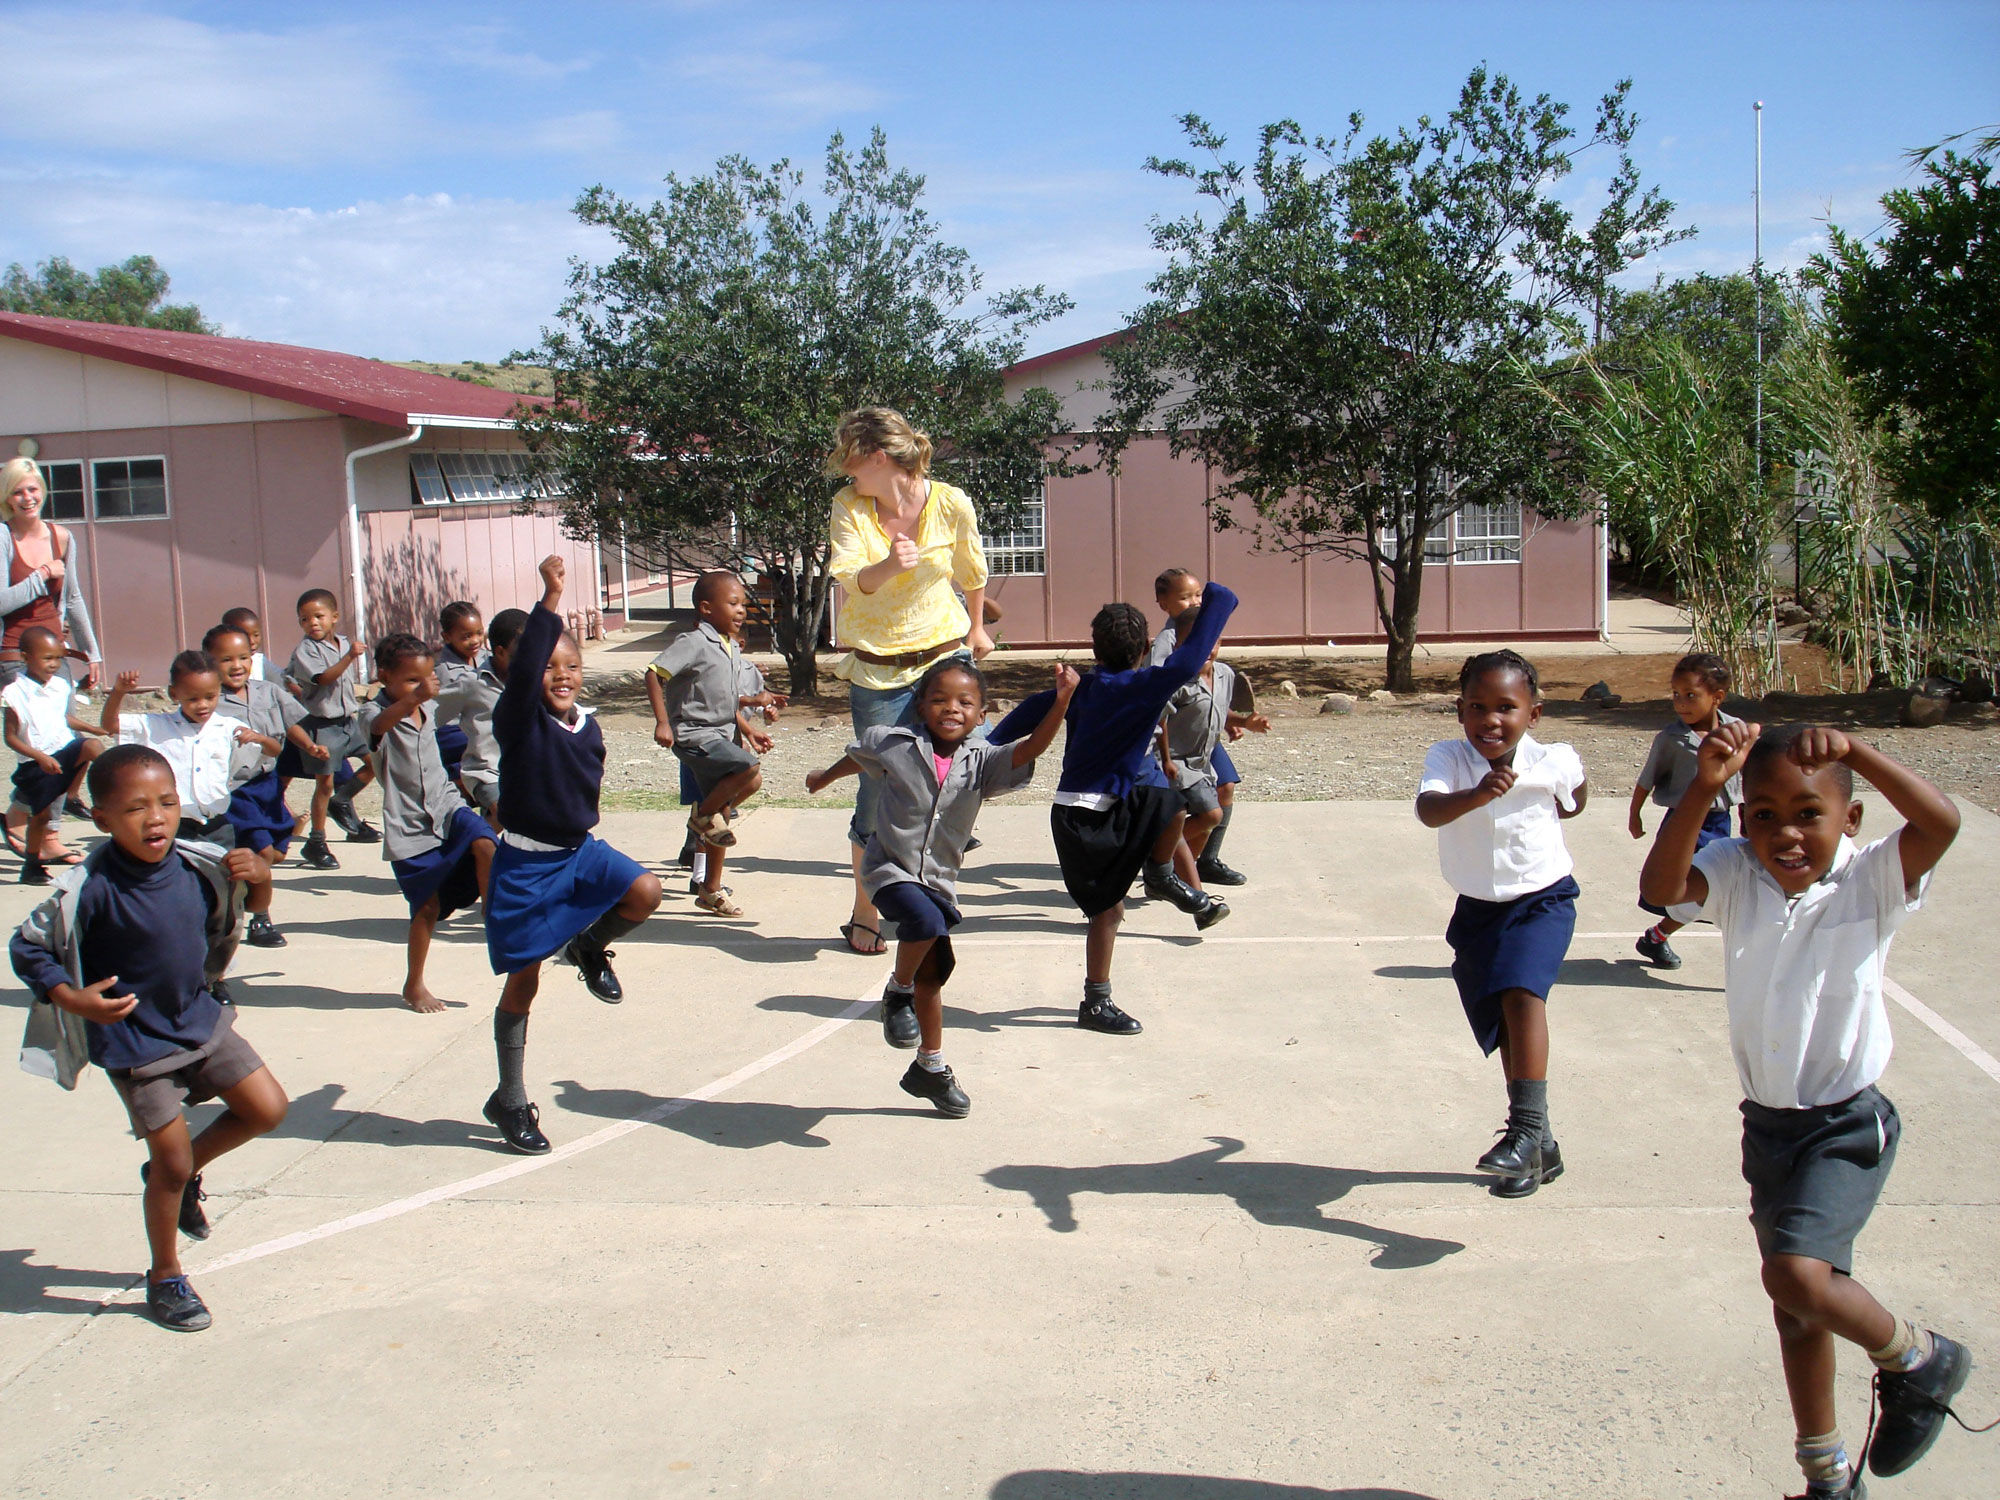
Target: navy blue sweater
point(148, 924)
point(549, 773)
point(1113, 715)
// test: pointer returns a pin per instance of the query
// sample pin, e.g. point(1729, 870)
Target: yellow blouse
point(916, 609)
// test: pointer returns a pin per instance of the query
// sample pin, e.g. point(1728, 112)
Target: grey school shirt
point(334, 701)
point(467, 695)
point(1197, 718)
point(418, 801)
point(698, 671)
point(921, 825)
point(1671, 764)
point(266, 708)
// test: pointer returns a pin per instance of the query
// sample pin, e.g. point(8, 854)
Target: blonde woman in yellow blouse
point(904, 544)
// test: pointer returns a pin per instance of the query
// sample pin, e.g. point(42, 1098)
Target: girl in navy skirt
point(1497, 799)
point(553, 888)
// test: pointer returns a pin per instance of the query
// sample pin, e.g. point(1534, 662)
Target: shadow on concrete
point(1073, 1484)
point(317, 1116)
point(1628, 974)
point(1283, 1194)
point(24, 1286)
point(955, 1019)
point(740, 1124)
point(256, 990)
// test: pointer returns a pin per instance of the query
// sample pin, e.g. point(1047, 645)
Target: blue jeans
point(871, 708)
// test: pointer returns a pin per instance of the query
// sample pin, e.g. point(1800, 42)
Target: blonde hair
point(15, 473)
point(878, 429)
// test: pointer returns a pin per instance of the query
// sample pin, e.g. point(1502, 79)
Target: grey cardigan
point(75, 614)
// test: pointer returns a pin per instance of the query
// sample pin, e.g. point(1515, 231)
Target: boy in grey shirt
point(466, 698)
point(322, 673)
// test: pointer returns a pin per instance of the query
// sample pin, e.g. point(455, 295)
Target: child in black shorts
point(43, 729)
point(127, 949)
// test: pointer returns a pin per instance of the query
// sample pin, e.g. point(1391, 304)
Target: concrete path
point(1240, 1256)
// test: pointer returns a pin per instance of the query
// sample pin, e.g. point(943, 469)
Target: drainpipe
point(354, 527)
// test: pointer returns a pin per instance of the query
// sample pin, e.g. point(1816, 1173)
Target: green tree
point(1340, 343)
point(700, 372)
point(1916, 323)
point(134, 293)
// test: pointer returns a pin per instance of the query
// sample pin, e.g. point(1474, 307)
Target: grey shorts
point(709, 761)
point(1198, 795)
point(155, 1094)
point(485, 795)
point(1815, 1174)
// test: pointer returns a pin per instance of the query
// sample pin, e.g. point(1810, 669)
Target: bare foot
point(422, 1001)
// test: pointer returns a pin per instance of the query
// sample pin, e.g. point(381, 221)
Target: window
point(64, 484)
point(470, 478)
point(128, 489)
point(1490, 533)
point(1022, 550)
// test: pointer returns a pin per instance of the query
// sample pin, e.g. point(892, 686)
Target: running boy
point(130, 946)
point(43, 729)
point(439, 848)
point(1498, 799)
point(1177, 592)
point(467, 700)
point(1113, 810)
point(1198, 719)
point(322, 670)
point(1700, 683)
point(694, 688)
point(933, 779)
point(1807, 919)
point(269, 718)
point(463, 630)
point(194, 740)
point(554, 888)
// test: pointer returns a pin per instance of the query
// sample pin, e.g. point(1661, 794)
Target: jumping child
point(1498, 799)
point(467, 700)
point(43, 729)
point(270, 718)
point(130, 947)
point(1177, 592)
point(1700, 683)
point(1807, 919)
point(554, 888)
point(463, 655)
point(1113, 811)
point(933, 779)
point(322, 670)
point(439, 848)
point(197, 742)
point(1198, 720)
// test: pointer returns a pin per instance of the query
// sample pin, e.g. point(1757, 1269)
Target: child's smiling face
point(562, 679)
point(1180, 596)
point(42, 657)
point(196, 694)
point(141, 812)
point(1794, 819)
point(466, 637)
point(1496, 708)
point(1695, 701)
point(726, 608)
point(319, 620)
point(953, 707)
point(232, 660)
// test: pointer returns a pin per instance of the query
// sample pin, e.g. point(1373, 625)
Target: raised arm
point(1669, 877)
point(1022, 717)
point(522, 696)
point(333, 674)
point(1045, 732)
point(1930, 819)
point(819, 781)
point(127, 682)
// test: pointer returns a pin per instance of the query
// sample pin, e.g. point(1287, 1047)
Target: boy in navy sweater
point(1113, 809)
point(130, 945)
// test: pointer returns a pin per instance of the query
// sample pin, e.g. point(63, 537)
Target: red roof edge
point(1056, 356)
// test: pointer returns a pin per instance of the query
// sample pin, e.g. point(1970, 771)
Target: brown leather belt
point(908, 658)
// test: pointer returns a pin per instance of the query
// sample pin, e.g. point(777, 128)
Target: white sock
point(931, 1062)
point(700, 866)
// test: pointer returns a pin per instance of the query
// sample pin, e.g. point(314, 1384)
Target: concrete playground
point(1240, 1257)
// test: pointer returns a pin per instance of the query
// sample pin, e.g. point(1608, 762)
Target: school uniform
point(1197, 723)
point(257, 812)
point(1219, 758)
point(201, 756)
point(43, 710)
point(1810, 1036)
point(929, 797)
point(465, 705)
point(330, 707)
point(1669, 770)
point(428, 832)
point(550, 878)
point(699, 669)
point(1112, 802)
point(1516, 908)
point(454, 672)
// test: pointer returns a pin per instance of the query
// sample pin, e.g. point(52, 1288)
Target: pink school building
point(202, 472)
point(1500, 575)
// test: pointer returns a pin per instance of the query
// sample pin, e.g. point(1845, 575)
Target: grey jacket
point(74, 612)
point(921, 826)
point(57, 1042)
point(1197, 719)
point(466, 698)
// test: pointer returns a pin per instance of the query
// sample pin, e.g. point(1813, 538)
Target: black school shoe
point(520, 1125)
point(1209, 915)
point(219, 988)
point(1105, 1016)
point(172, 1303)
point(940, 1088)
point(261, 933)
point(194, 1219)
point(593, 966)
point(316, 856)
point(899, 1018)
point(1215, 872)
point(1522, 1187)
point(1854, 1489)
point(1914, 1406)
point(1170, 887)
point(34, 872)
point(351, 823)
point(1516, 1154)
point(1657, 953)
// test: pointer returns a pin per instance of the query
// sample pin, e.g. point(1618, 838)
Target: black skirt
point(1100, 852)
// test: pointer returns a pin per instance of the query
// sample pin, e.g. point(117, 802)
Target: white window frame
point(477, 466)
point(166, 488)
point(1506, 544)
point(1023, 551)
point(82, 489)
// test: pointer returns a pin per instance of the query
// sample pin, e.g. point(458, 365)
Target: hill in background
point(524, 380)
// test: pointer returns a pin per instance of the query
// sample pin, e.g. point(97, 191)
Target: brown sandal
point(718, 903)
point(712, 830)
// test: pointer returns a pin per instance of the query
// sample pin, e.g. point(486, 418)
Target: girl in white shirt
point(1498, 798)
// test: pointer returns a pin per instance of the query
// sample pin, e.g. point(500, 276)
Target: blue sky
point(397, 181)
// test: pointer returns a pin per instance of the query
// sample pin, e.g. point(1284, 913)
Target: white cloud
point(588, 132)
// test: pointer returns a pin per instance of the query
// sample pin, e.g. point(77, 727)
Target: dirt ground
point(1373, 752)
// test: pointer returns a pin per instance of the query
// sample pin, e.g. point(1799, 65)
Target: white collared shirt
point(43, 709)
point(1514, 844)
point(1804, 973)
point(199, 753)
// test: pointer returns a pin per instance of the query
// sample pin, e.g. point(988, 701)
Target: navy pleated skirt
point(448, 872)
point(1509, 945)
point(258, 813)
point(537, 900)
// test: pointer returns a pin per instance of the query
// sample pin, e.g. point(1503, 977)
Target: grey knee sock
point(1213, 848)
point(1528, 1106)
point(510, 1041)
point(608, 928)
point(1096, 990)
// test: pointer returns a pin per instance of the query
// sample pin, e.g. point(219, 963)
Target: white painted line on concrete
point(524, 1165)
point(1964, 1045)
point(1354, 938)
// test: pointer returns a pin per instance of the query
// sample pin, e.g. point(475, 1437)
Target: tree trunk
point(1401, 625)
point(795, 623)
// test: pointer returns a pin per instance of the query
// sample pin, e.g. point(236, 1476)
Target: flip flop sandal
point(713, 831)
point(847, 931)
point(718, 903)
point(62, 854)
point(17, 840)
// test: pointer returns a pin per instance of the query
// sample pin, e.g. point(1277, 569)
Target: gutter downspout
point(357, 579)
